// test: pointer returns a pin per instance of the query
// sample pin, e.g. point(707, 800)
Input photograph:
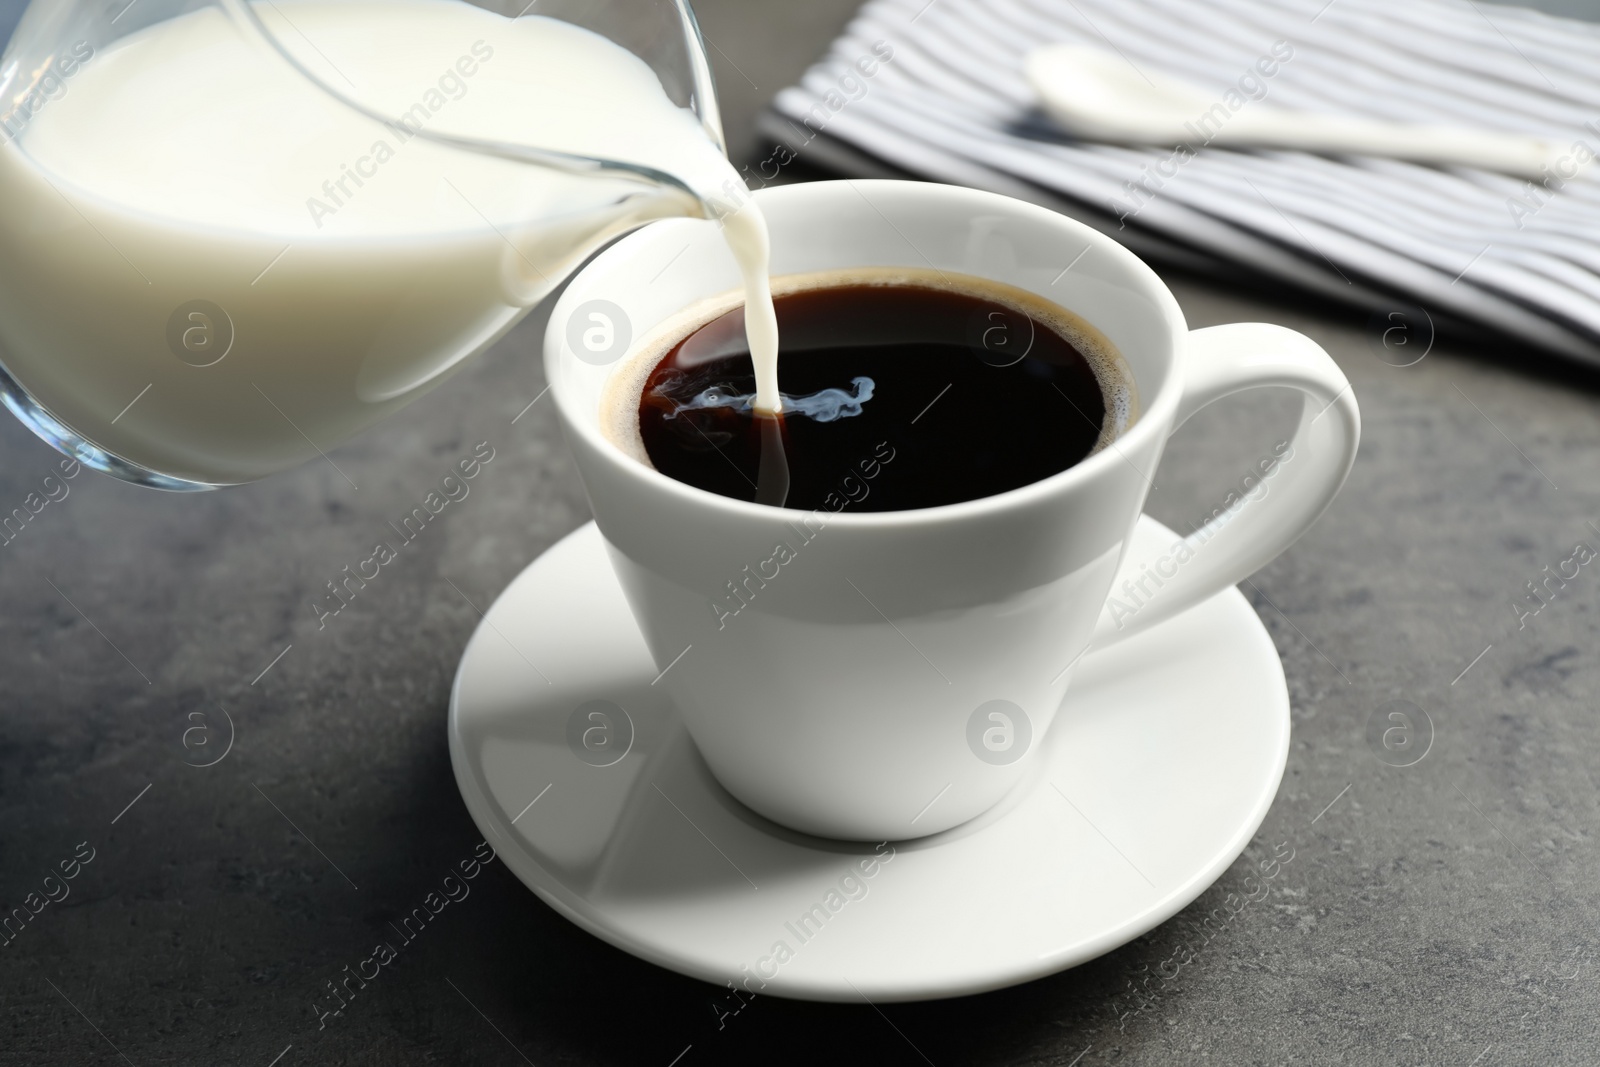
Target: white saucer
point(1156, 774)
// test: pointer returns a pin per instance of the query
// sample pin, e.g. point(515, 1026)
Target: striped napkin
point(937, 89)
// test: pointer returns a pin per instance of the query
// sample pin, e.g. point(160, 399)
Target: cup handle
point(1250, 531)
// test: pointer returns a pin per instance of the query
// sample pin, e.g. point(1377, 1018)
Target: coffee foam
point(619, 404)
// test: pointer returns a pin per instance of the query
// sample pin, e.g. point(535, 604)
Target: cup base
point(894, 830)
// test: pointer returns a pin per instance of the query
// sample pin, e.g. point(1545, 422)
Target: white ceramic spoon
point(1098, 96)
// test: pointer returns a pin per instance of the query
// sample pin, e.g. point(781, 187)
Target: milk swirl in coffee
point(968, 386)
point(213, 269)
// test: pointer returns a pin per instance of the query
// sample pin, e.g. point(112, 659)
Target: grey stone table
point(1444, 913)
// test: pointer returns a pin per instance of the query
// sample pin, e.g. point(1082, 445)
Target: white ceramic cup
point(891, 672)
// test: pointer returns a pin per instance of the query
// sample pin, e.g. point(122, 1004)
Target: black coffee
point(896, 396)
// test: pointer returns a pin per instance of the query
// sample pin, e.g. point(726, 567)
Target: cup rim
point(1154, 420)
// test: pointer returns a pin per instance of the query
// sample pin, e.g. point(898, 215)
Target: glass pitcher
point(234, 235)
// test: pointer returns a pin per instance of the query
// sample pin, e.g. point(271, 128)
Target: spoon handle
point(1272, 127)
